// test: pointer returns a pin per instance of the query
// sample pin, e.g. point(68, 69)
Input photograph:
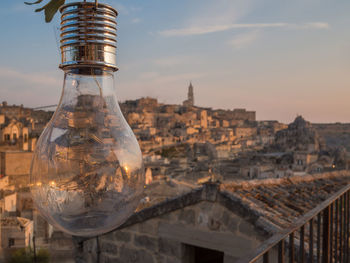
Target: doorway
point(194, 254)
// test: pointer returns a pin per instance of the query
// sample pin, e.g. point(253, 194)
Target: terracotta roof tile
point(282, 201)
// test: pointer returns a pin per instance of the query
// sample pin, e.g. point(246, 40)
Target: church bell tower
point(190, 96)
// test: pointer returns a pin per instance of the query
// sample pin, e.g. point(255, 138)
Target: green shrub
point(23, 255)
point(42, 256)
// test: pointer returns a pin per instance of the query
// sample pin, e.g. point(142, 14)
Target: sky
point(278, 58)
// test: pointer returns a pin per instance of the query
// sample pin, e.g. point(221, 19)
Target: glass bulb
point(87, 174)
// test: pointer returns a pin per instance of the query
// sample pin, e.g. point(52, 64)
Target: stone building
point(235, 115)
point(302, 160)
point(20, 127)
point(16, 165)
point(14, 111)
point(184, 229)
point(16, 232)
point(242, 132)
point(5, 183)
point(15, 132)
point(223, 222)
point(243, 114)
point(299, 136)
point(18, 204)
point(203, 115)
point(161, 125)
point(10, 204)
point(2, 119)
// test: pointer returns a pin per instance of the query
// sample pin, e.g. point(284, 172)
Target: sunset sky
point(279, 58)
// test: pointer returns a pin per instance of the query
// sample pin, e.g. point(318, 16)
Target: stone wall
point(166, 238)
point(242, 114)
point(21, 235)
point(16, 165)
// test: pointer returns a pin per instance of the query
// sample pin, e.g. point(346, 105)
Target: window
point(195, 254)
point(15, 136)
point(11, 242)
point(25, 137)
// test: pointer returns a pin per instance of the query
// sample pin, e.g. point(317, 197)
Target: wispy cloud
point(218, 12)
point(315, 25)
point(31, 78)
point(172, 61)
point(29, 88)
point(136, 20)
point(198, 30)
point(245, 39)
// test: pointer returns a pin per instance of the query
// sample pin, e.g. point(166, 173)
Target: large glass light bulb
point(87, 174)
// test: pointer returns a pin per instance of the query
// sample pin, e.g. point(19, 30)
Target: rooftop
point(270, 204)
point(19, 222)
point(281, 201)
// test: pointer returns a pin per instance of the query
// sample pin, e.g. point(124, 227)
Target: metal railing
point(321, 235)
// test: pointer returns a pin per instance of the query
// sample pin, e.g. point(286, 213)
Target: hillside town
point(185, 148)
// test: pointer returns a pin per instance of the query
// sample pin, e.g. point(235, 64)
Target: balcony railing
point(321, 235)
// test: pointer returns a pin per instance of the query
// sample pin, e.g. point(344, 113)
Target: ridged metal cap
point(88, 35)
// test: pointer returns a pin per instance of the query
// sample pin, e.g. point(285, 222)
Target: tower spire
point(190, 96)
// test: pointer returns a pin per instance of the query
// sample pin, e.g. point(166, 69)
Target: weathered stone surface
point(205, 206)
point(210, 191)
point(109, 236)
point(267, 225)
point(172, 260)
point(109, 247)
point(167, 216)
point(121, 236)
point(202, 219)
point(149, 227)
point(246, 228)
point(214, 224)
point(177, 203)
point(231, 222)
point(79, 249)
point(221, 241)
point(109, 259)
point(147, 242)
point(133, 228)
point(230, 259)
point(235, 205)
point(90, 245)
point(135, 255)
point(188, 216)
point(170, 247)
point(159, 258)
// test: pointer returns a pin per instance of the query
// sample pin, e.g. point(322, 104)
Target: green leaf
point(36, 2)
point(51, 9)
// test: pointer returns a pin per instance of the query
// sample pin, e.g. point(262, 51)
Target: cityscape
point(186, 149)
point(174, 131)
